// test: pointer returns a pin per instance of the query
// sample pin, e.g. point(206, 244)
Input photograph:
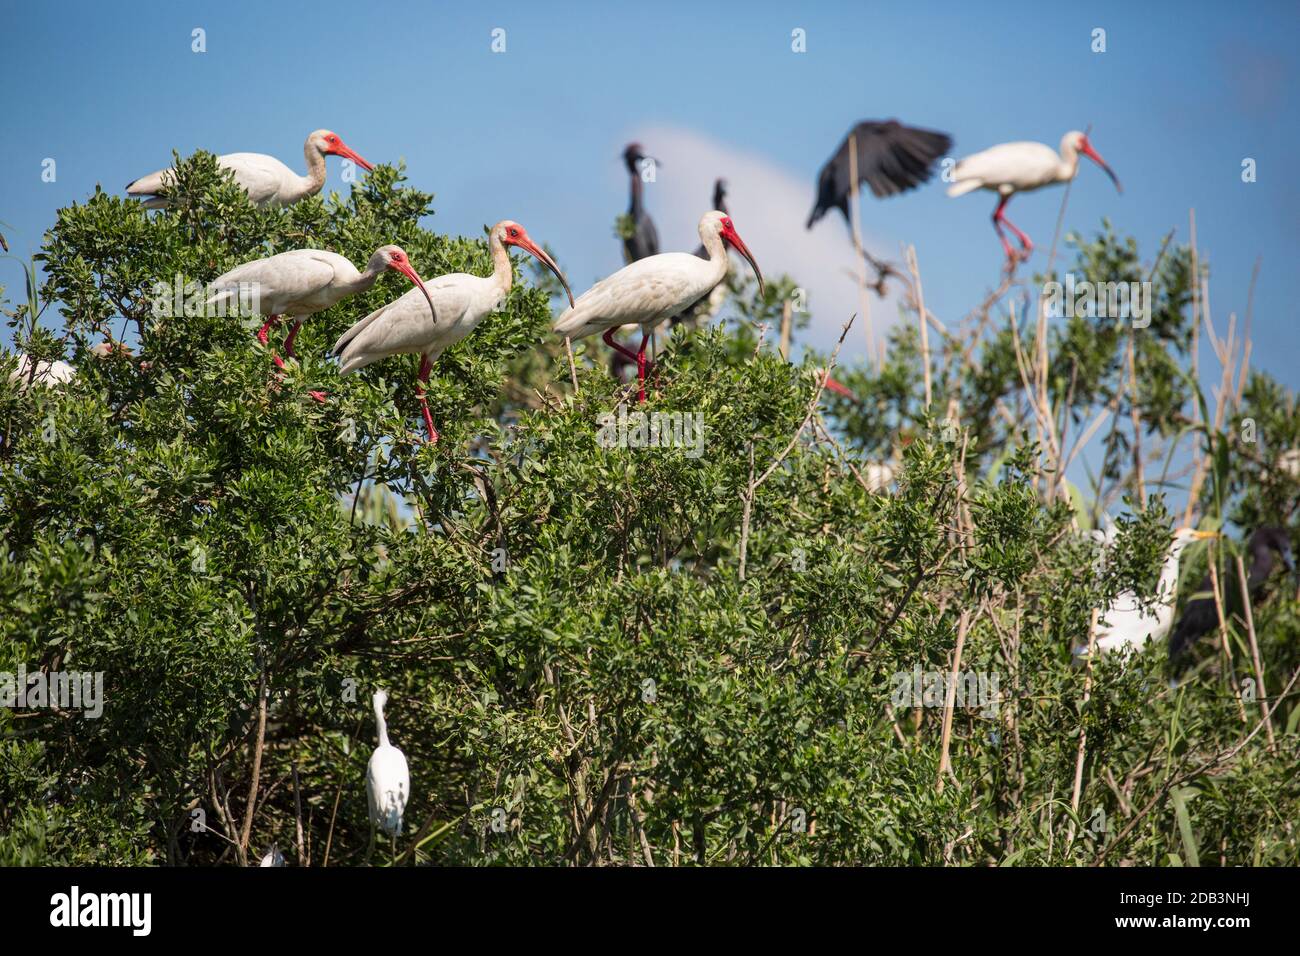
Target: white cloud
point(770, 206)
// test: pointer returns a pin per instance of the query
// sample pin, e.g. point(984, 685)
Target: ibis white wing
point(405, 324)
point(1020, 165)
point(643, 293)
point(298, 282)
point(263, 177)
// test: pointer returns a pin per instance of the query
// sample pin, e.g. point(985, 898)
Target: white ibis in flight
point(651, 290)
point(388, 780)
point(267, 181)
point(459, 302)
point(891, 158)
point(1011, 168)
point(303, 282)
point(644, 238)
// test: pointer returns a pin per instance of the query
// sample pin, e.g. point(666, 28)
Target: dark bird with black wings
point(892, 158)
point(1266, 547)
point(644, 238)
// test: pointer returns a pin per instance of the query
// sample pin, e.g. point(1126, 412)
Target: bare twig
point(920, 313)
point(950, 698)
point(1254, 651)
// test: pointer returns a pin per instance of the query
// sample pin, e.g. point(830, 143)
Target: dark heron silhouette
point(644, 240)
point(892, 158)
point(1266, 547)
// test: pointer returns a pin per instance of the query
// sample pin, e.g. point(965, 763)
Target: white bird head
point(718, 223)
point(329, 143)
point(380, 700)
point(395, 258)
point(509, 233)
point(1076, 142)
point(1185, 536)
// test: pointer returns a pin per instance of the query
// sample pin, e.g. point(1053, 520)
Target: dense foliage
point(626, 655)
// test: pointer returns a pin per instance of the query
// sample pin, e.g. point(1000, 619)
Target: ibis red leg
point(640, 367)
point(1000, 219)
point(1002, 236)
point(270, 323)
point(612, 343)
point(262, 334)
point(293, 334)
point(425, 367)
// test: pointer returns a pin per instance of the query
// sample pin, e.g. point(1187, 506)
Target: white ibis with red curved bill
point(267, 181)
point(651, 290)
point(1011, 168)
point(303, 282)
point(459, 302)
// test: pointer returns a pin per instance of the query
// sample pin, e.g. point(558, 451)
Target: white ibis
point(1126, 625)
point(891, 158)
point(388, 780)
point(267, 181)
point(46, 374)
point(651, 290)
point(303, 282)
point(644, 240)
point(711, 304)
point(1012, 168)
point(459, 302)
point(1201, 616)
point(55, 373)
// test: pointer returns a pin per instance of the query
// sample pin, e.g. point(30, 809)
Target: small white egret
point(388, 780)
point(1127, 625)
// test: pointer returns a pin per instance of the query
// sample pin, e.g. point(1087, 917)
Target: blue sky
point(1183, 93)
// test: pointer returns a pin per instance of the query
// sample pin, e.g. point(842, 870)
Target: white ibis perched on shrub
point(643, 239)
point(459, 302)
point(1012, 168)
point(1126, 625)
point(708, 306)
point(891, 158)
point(651, 290)
point(388, 780)
point(1201, 616)
point(56, 373)
point(267, 181)
point(720, 204)
point(46, 374)
point(303, 282)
